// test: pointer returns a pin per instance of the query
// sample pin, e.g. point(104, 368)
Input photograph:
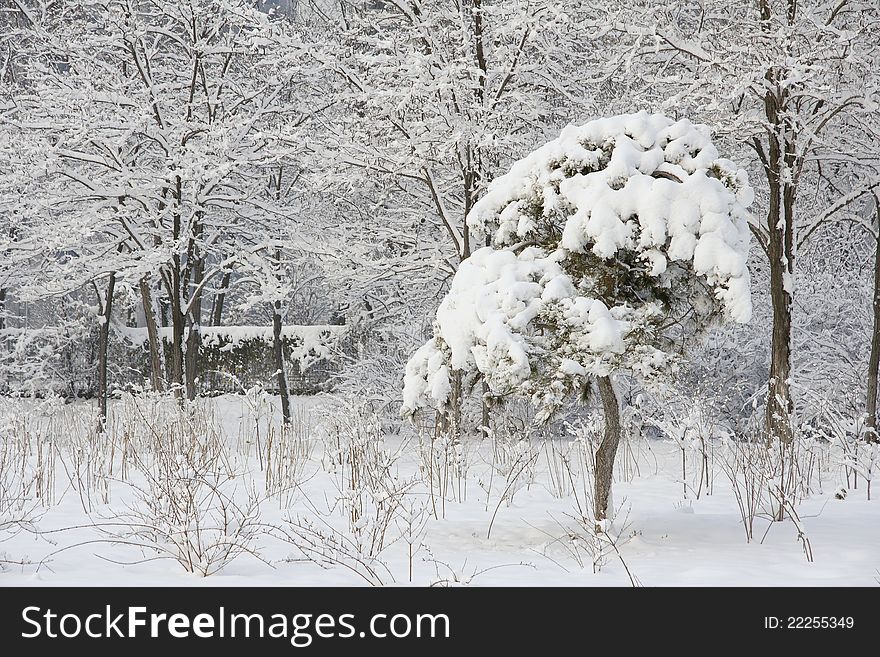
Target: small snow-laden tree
point(612, 247)
point(789, 85)
point(46, 347)
point(164, 117)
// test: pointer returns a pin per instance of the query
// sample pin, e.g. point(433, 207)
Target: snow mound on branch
point(598, 238)
point(485, 324)
point(637, 182)
point(493, 298)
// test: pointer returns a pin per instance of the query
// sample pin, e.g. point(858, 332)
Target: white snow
point(664, 539)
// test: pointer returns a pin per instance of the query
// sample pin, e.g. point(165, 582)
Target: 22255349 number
point(809, 622)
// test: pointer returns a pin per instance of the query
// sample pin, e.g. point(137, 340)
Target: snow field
point(340, 501)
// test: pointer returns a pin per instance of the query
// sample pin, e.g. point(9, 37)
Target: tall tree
point(782, 77)
point(874, 358)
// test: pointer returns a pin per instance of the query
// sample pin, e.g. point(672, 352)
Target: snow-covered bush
point(370, 490)
point(371, 508)
point(693, 426)
point(610, 245)
point(187, 502)
point(444, 464)
point(370, 370)
point(18, 507)
point(512, 468)
point(288, 451)
point(49, 360)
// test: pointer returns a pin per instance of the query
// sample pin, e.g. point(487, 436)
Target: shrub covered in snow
point(611, 247)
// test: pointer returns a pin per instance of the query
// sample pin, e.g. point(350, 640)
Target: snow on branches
point(612, 246)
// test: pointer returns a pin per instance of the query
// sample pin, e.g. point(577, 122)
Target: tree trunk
point(219, 300)
point(103, 345)
point(175, 299)
point(780, 252)
point(874, 359)
point(191, 360)
point(155, 344)
point(457, 398)
point(604, 471)
point(177, 327)
point(779, 403)
point(278, 348)
point(194, 338)
point(2, 308)
point(449, 418)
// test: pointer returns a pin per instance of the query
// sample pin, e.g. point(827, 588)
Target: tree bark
point(874, 359)
point(175, 302)
point(780, 252)
point(155, 345)
point(103, 347)
point(177, 326)
point(604, 470)
point(779, 402)
point(449, 418)
point(278, 348)
point(220, 300)
point(194, 337)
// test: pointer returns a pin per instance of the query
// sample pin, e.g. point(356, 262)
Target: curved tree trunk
point(604, 471)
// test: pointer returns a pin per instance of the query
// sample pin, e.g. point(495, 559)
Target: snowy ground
point(661, 538)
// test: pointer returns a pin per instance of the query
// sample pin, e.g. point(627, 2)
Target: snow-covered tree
point(266, 270)
point(612, 247)
point(792, 82)
point(441, 93)
point(164, 118)
point(874, 358)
